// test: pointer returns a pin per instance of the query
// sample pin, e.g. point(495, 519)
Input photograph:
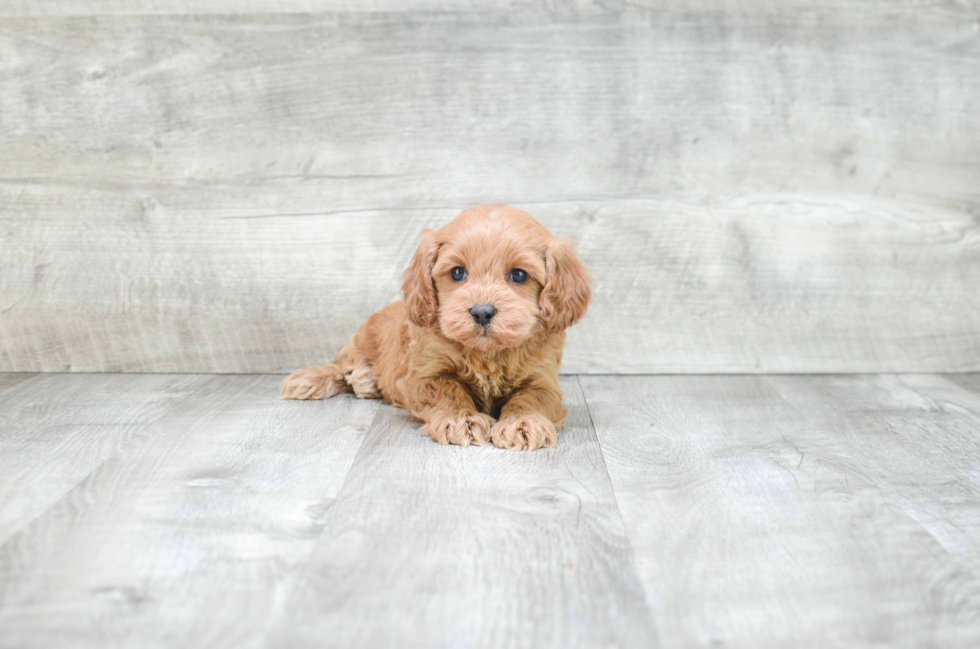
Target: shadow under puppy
point(475, 347)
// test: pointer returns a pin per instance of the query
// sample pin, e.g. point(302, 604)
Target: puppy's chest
point(489, 385)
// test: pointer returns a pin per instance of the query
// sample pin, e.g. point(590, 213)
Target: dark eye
point(518, 276)
point(458, 273)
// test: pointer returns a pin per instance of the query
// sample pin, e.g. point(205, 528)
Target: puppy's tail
point(314, 382)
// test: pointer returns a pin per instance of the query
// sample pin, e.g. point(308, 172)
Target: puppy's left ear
point(567, 287)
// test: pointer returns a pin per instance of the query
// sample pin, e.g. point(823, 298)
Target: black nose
point(483, 313)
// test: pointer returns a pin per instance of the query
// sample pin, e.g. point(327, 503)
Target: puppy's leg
point(450, 415)
point(314, 382)
point(350, 371)
point(362, 380)
point(531, 418)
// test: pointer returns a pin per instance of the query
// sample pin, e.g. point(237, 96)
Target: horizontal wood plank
point(203, 7)
point(763, 284)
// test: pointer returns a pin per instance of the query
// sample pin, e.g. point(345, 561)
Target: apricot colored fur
point(469, 384)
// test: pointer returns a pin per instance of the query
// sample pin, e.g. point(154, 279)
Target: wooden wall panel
point(756, 187)
point(231, 7)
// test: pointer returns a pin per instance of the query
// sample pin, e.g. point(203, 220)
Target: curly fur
point(470, 384)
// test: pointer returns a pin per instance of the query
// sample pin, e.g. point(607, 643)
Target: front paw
point(528, 431)
point(459, 428)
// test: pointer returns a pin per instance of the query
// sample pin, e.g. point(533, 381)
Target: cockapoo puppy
point(474, 348)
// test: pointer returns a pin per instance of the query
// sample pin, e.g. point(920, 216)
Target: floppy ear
point(420, 292)
point(566, 293)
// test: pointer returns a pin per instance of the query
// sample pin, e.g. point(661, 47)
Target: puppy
point(474, 348)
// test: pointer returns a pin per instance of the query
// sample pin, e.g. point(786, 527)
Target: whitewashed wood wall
point(757, 185)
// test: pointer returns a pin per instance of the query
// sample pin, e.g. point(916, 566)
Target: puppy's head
point(493, 277)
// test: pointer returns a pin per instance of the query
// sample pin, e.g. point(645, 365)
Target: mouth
point(483, 338)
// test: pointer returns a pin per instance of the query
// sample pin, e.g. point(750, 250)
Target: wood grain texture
point(10, 379)
point(198, 7)
point(969, 382)
point(931, 470)
point(757, 187)
point(431, 546)
point(56, 430)
point(186, 539)
point(799, 511)
point(749, 511)
point(237, 7)
point(753, 285)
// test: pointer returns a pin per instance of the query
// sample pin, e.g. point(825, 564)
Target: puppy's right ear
point(420, 293)
point(567, 288)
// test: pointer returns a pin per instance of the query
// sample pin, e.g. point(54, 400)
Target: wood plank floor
point(747, 511)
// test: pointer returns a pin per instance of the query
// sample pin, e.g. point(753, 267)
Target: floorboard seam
point(98, 467)
point(301, 563)
point(619, 513)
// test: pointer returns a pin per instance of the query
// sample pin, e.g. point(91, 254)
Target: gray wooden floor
point(748, 511)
